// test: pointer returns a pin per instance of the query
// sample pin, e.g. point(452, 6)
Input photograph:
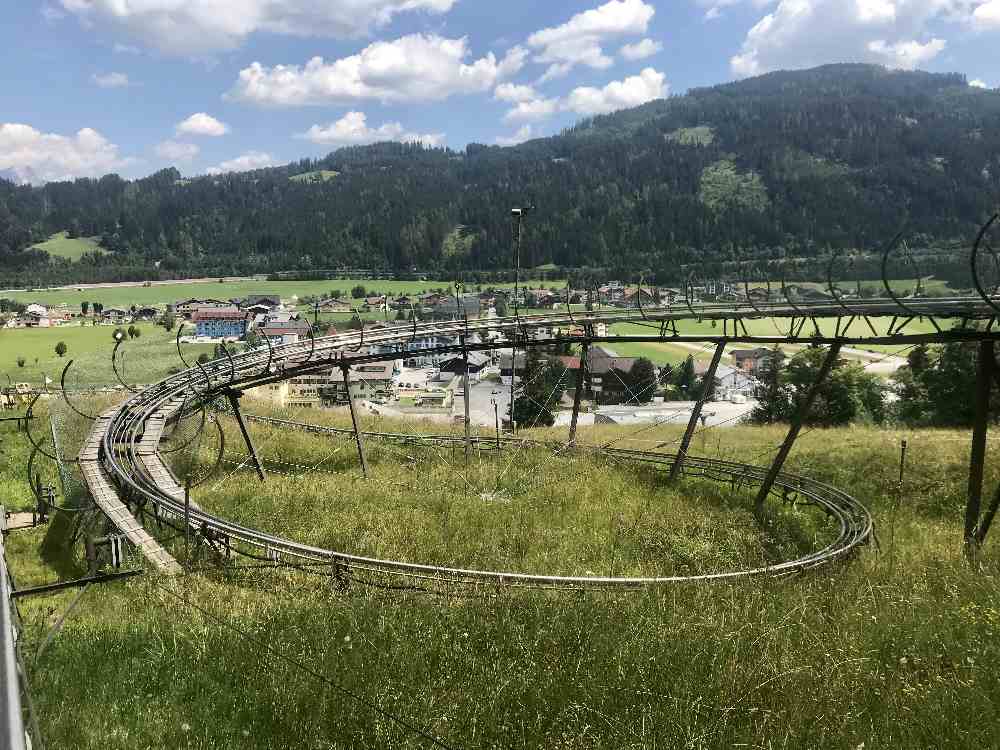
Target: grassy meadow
point(147, 359)
point(160, 293)
point(896, 648)
point(60, 245)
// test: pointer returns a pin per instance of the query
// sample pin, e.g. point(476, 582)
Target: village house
point(333, 305)
point(220, 323)
point(755, 361)
point(188, 307)
point(283, 329)
point(454, 365)
point(368, 381)
point(607, 375)
point(115, 316)
point(466, 306)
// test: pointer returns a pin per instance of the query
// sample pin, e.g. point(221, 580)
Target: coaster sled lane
point(124, 455)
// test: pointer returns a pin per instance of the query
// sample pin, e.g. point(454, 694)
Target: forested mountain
point(786, 164)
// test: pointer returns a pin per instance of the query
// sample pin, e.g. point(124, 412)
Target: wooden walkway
point(106, 497)
point(149, 456)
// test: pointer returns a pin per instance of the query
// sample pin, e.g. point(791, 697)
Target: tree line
point(790, 165)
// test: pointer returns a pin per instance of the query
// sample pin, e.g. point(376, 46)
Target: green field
point(147, 358)
point(895, 648)
point(61, 246)
point(159, 294)
point(321, 175)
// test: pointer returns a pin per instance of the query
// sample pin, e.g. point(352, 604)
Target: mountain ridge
point(788, 163)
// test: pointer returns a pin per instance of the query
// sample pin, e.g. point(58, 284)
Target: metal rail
point(11, 718)
point(203, 384)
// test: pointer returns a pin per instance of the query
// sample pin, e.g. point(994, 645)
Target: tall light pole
point(517, 214)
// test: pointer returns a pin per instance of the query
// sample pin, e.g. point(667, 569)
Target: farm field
point(61, 246)
point(895, 648)
point(158, 294)
point(147, 358)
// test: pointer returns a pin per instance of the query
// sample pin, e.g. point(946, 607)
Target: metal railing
point(12, 734)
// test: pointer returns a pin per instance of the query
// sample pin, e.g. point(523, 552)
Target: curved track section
point(125, 456)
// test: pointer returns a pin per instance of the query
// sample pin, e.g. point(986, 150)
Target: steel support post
point(706, 394)
point(985, 364)
point(234, 402)
point(465, 389)
point(187, 517)
point(354, 420)
point(578, 393)
point(800, 417)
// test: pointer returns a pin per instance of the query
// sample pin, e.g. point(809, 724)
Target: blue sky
point(97, 86)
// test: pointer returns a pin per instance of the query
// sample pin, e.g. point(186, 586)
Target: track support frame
point(706, 395)
point(800, 417)
point(358, 439)
point(233, 396)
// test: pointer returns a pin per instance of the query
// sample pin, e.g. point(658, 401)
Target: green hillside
point(785, 165)
point(60, 245)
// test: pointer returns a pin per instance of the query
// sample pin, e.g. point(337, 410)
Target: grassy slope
point(61, 246)
point(146, 359)
point(902, 655)
point(320, 175)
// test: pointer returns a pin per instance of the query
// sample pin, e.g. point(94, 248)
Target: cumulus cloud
point(176, 151)
point(587, 100)
point(352, 130)
point(532, 109)
point(513, 92)
point(630, 92)
point(641, 50)
point(244, 163)
point(32, 156)
point(804, 33)
point(906, 55)
point(200, 27)
point(523, 133)
point(110, 80)
point(201, 123)
point(579, 41)
point(978, 83)
point(418, 67)
point(987, 15)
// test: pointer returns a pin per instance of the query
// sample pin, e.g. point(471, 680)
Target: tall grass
point(857, 654)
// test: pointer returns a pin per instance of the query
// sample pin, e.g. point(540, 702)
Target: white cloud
point(110, 80)
point(641, 50)
point(176, 151)
point(199, 27)
point(586, 100)
point(579, 40)
point(987, 15)
point(714, 8)
point(631, 92)
point(33, 156)
point(523, 133)
point(125, 49)
point(513, 92)
point(978, 83)
point(532, 109)
point(805, 33)
point(418, 67)
point(244, 163)
point(352, 130)
point(201, 123)
point(907, 55)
